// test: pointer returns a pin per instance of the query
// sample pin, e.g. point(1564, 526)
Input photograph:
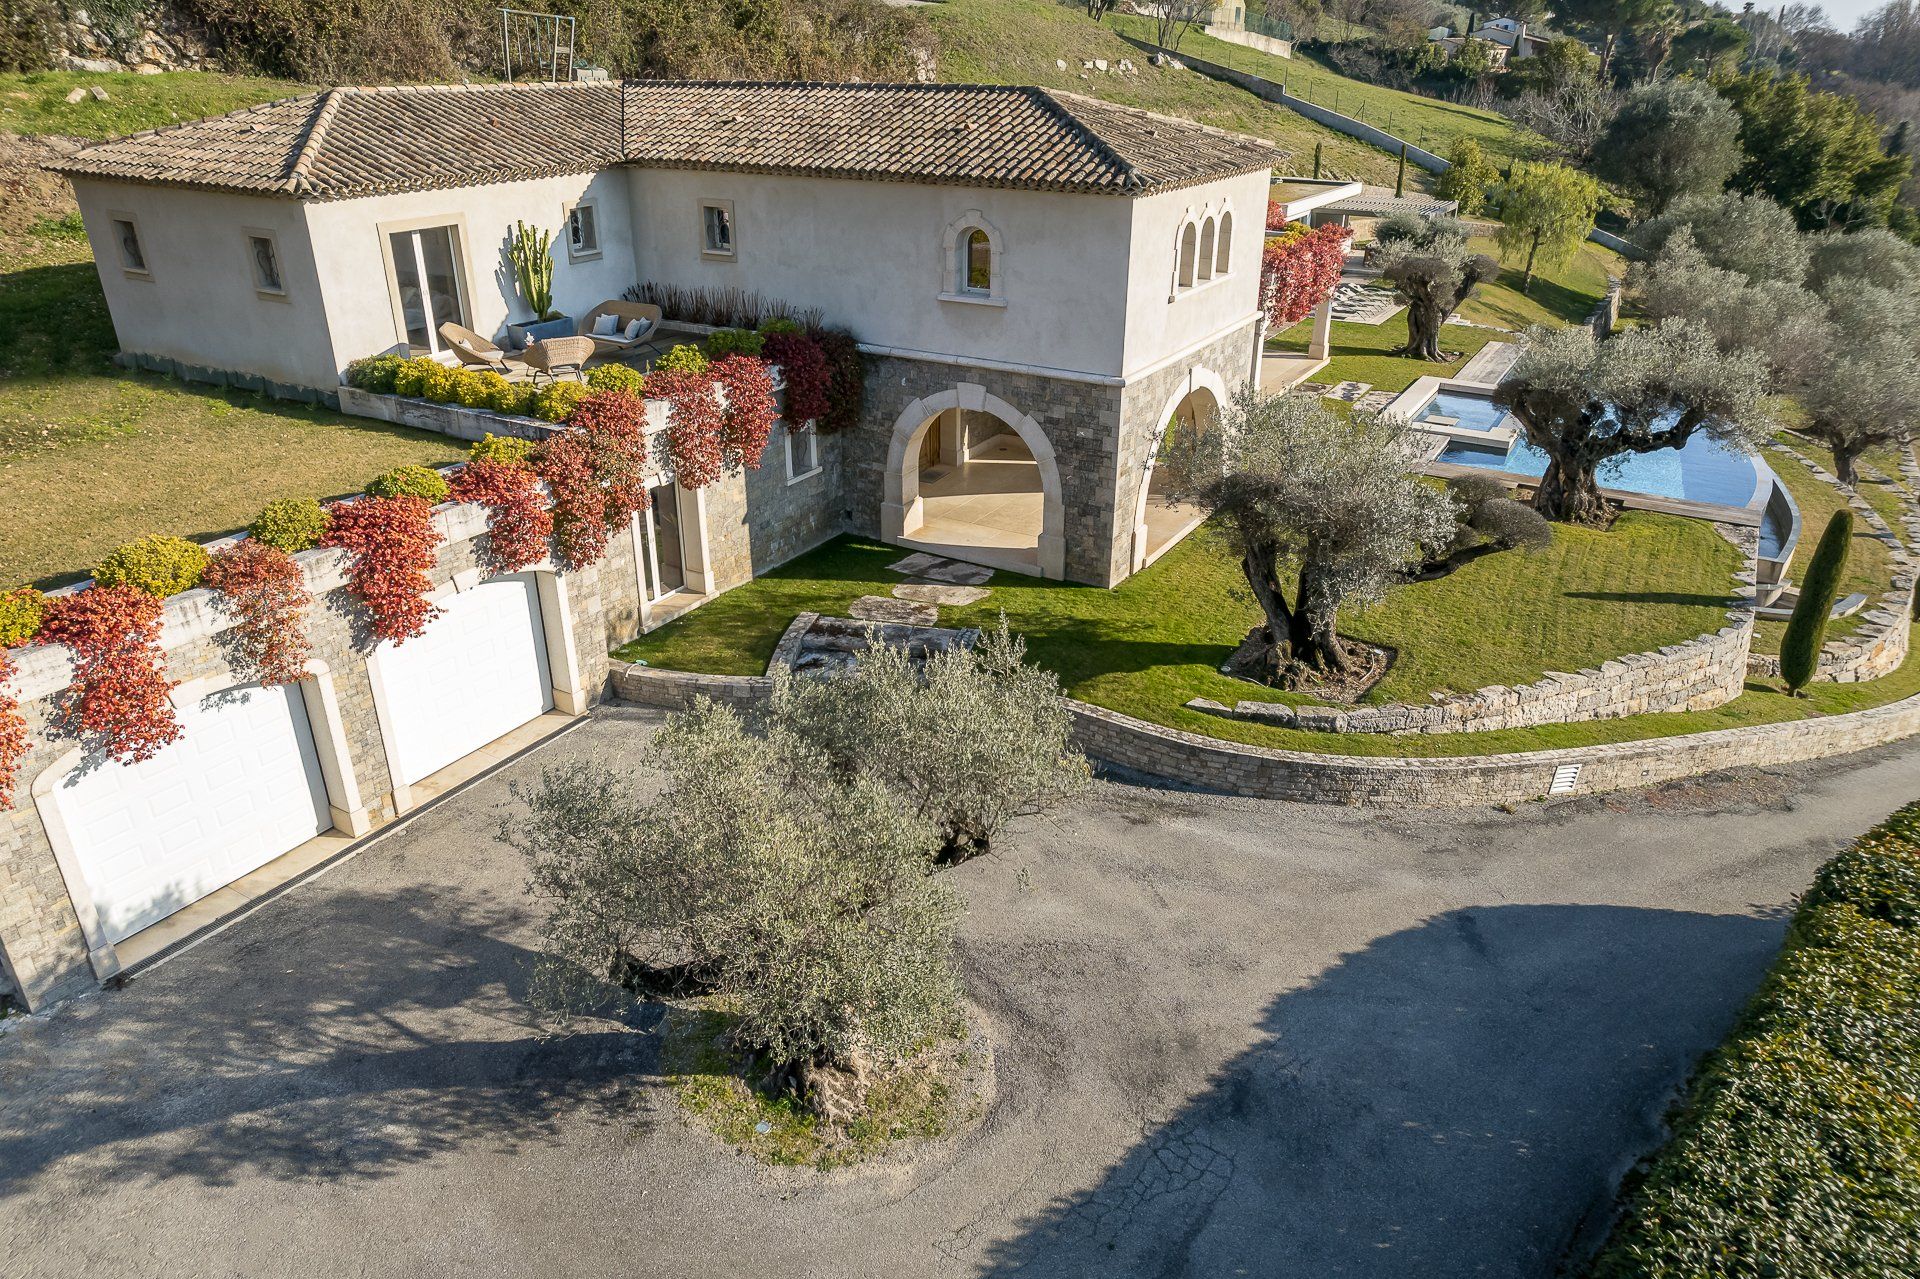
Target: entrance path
point(1234, 1037)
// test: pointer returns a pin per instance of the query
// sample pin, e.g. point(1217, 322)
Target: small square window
point(263, 256)
point(583, 231)
point(803, 452)
point(126, 235)
point(716, 228)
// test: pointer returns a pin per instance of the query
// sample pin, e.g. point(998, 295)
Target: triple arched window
point(1204, 250)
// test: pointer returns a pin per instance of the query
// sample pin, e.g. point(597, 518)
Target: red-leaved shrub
point(119, 697)
point(13, 732)
point(846, 379)
point(1299, 270)
point(596, 472)
point(746, 423)
point(392, 541)
point(268, 597)
point(519, 525)
point(694, 425)
point(804, 366)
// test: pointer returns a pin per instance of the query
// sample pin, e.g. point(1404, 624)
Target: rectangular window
point(583, 231)
point(427, 282)
point(263, 259)
point(803, 452)
point(133, 258)
point(716, 228)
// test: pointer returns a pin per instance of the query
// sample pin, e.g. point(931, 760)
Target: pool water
point(1703, 471)
point(1475, 412)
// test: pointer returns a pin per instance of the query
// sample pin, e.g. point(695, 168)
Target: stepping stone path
point(940, 593)
point(1374, 401)
point(879, 608)
point(937, 568)
point(1349, 391)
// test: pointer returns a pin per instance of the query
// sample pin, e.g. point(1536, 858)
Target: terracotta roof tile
point(343, 143)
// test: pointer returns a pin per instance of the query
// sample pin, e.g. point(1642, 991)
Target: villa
point(1041, 282)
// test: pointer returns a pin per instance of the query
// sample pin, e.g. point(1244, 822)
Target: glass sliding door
point(426, 275)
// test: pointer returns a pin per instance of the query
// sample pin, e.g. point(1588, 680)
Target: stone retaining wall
point(1308, 777)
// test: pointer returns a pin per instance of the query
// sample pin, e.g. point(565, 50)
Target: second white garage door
point(478, 672)
point(241, 786)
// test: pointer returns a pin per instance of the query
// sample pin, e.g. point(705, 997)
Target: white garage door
point(478, 672)
point(241, 786)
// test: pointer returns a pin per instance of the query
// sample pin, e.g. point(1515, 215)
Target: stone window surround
point(696, 553)
point(248, 235)
point(349, 815)
point(143, 272)
point(807, 433)
point(463, 270)
point(732, 252)
point(1212, 262)
point(592, 207)
point(953, 268)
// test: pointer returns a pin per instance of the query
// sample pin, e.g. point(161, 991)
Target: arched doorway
point(1158, 522)
point(971, 477)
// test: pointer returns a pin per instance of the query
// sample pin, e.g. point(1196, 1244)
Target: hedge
point(1796, 1152)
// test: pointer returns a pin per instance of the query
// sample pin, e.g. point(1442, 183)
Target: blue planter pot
point(540, 330)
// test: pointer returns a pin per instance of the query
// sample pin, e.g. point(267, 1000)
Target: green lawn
point(1425, 122)
point(1869, 567)
point(1019, 42)
point(1157, 640)
point(1360, 352)
point(36, 101)
point(1562, 293)
point(1884, 495)
point(91, 456)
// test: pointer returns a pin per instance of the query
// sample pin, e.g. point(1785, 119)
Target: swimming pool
point(1471, 412)
point(1703, 471)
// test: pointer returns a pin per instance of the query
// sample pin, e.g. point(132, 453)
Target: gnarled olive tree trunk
point(1292, 632)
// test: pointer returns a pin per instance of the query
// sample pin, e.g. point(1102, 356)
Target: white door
point(241, 786)
point(478, 672)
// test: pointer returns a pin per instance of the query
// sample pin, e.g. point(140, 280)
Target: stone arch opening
point(1159, 523)
point(971, 477)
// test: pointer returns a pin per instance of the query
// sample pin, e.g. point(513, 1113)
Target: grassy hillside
point(1425, 122)
point(1022, 41)
point(36, 103)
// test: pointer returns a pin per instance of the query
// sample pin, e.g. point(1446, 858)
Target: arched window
point(1188, 236)
point(1205, 271)
point(1223, 249)
point(976, 263)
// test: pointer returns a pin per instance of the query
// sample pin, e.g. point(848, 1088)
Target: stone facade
point(42, 943)
point(1701, 673)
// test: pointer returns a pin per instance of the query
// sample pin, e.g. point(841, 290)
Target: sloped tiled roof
point(342, 143)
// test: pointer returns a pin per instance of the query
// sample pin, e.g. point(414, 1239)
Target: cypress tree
point(1807, 628)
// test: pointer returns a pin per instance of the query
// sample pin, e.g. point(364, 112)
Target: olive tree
point(1322, 500)
point(1670, 138)
point(1585, 401)
point(1429, 264)
point(1865, 390)
point(1745, 233)
point(801, 896)
point(1784, 322)
point(964, 740)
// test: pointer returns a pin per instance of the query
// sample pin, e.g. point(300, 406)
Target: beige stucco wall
point(197, 304)
point(873, 257)
point(348, 242)
point(1162, 321)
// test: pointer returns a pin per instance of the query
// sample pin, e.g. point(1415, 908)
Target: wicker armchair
point(626, 312)
point(554, 356)
point(472, 348)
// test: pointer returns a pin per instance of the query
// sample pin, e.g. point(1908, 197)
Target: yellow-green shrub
point(616, 377)
point(683, 359)
point(501, 448)
point(411, 377)
point(376, 373)
point(156, 564)
point(472, 388)
point(290, 524)
point(510, 397)
point(556, 400)
point(410, 481)
point(20, 611)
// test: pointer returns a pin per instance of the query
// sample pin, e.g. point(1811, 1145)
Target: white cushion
point(604, 326)
point(632, 330)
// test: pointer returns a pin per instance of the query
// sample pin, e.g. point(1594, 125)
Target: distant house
point(1509, 38)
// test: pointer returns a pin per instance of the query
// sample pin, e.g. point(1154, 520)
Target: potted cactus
point(530, 255)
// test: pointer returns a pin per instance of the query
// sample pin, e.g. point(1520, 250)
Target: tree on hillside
point(1585, 401)
point(1470, 175)
point(1546, 211)
point(1866, 390)
point(1745, 233)
point(1712, 45)
point(1784, 322)
point(1327, 501)
point(1431, 267)
point(1173, 18)
point(1609, 19)
point(1670, 138)
point(1873, 254)
point(1818, 154)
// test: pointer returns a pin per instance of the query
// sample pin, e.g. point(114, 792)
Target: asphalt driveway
point(1234, 1037)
